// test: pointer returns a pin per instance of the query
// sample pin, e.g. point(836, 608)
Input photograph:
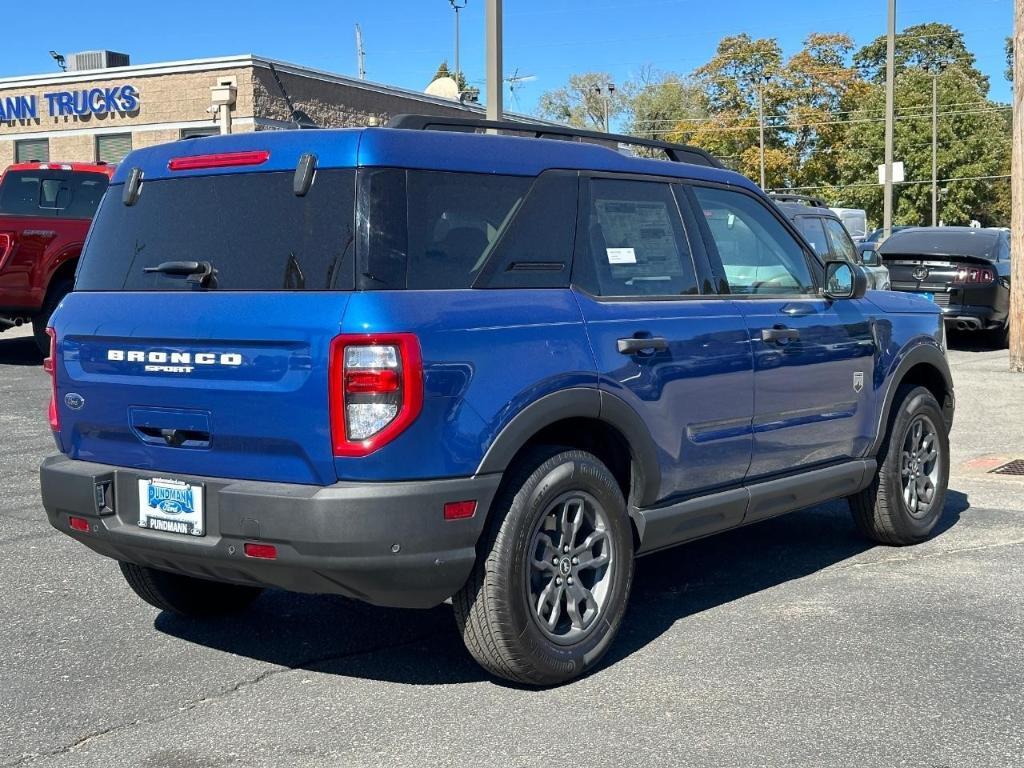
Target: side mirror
point(870, 258)
point(844, 280)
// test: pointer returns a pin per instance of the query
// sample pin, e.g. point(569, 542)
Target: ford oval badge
point(74, 401)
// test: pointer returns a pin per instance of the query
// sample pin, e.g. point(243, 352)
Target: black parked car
point(965, 271)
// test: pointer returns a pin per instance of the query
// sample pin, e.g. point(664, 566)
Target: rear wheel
point(57, 291)
point(999, 338)
point(186, 595)
point(550, 587)
point(905, 500)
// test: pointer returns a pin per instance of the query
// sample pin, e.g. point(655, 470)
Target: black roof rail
point(678, 153)
point(809, 200)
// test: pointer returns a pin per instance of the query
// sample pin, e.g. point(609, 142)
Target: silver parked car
point(826, 234)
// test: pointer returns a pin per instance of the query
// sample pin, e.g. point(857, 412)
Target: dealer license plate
point(172, 506)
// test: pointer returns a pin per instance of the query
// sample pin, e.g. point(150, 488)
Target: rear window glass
point(433, 229)
point(251, 227)
point(52, 194)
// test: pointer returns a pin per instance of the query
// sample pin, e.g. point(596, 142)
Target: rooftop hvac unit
point(97, 60)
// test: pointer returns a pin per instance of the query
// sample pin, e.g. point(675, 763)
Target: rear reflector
point(79, 524)
point(262, 551)
point(219, 160)
point(459, 510)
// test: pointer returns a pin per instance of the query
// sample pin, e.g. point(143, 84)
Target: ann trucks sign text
point(121, 99)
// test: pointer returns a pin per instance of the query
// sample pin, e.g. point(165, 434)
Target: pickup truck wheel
point(186, 595)
point(554, 571)
point(57, 291)
point(905, 500)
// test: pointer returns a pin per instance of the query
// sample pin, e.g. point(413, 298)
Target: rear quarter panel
point(486, 355)
point(41, 246)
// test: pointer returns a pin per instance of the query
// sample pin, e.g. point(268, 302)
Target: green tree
point(658, 102)
point(580, 103)
point(973, 141)
point(930, 47)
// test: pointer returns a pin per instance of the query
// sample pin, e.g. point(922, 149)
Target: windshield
point(251, 227)
point(52, 194)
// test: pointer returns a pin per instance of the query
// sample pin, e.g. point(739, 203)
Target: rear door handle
point(633, 345)
point(779, 334)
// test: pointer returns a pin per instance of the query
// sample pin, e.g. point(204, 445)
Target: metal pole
point(495, 77)
point(457, 70)
point(760, 123)
point(607, 98)
point(935, 149)
point(890, 109)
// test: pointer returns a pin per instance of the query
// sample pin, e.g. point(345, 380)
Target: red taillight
point(6, 241)
point(219, 160)
point(79, 524)
point(376, 390)
point(974, 276)
point(459, 510)
point(50, 366)
point(261, 551)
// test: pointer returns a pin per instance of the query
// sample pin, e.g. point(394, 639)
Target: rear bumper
point(339, 539)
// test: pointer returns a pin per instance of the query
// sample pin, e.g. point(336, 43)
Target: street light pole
point(890, 109)
point(495, 76)
point(605, 92)
point(760, 125)
point(457, 6)
point(935, 149)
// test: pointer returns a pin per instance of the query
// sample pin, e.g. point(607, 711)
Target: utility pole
point(935, 148)
point(360, 53)
point(1017, 190)
point(760, 125)
point(605, 93)
point(457, 5)
point(495, 77)
point(890, 114)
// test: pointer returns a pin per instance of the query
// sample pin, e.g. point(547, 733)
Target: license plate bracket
point(172, 506)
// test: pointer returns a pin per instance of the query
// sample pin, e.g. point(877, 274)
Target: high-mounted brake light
point(6, 241)
point(50, 366)
point(974, 276)
point(376, 390)
point(219, 160)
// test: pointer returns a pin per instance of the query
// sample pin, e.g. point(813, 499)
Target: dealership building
point(103, 107)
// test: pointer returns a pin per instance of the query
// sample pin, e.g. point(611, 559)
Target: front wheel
point(904, 502)
point(551, 583)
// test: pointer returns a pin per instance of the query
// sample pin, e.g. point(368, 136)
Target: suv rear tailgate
point(231, 384)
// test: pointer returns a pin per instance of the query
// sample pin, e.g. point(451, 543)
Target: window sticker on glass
point(621, 255)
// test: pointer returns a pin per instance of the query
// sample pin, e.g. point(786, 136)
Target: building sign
point(121, 99)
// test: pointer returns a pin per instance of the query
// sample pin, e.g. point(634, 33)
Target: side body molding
point(581, 402)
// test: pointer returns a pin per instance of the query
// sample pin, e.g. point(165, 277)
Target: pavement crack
point(305, 664)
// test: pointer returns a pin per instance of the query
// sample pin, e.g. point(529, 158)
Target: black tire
point(186, 595)
point(496, 611)
point(57, 291)
point(999, 338)
point(881, 511)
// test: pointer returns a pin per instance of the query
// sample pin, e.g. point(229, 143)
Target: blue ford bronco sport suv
point(422, 362)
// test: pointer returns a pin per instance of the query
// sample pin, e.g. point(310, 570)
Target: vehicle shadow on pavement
point(19, 351)
point(336, 636)
point(969, 342)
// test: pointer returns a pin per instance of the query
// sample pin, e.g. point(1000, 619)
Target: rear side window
point(759, 255)
point(52, 194)
point(426, 230)
point(632, 242)
point(811, 228)
point(251, 227)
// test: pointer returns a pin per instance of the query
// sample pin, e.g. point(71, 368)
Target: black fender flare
point(927, 354)
point(581, 402)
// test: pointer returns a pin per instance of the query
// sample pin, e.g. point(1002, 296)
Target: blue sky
point(406, 39)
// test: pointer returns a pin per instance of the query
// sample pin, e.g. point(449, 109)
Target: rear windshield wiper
point(199, 273)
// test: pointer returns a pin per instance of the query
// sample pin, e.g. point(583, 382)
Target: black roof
point(943, 241)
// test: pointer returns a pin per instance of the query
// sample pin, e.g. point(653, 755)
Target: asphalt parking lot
point(793, 642)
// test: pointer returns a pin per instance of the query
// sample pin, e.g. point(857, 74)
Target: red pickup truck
point(45, 212)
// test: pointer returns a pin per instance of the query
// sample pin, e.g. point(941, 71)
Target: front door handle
point(780, 334)
point(633, 345)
